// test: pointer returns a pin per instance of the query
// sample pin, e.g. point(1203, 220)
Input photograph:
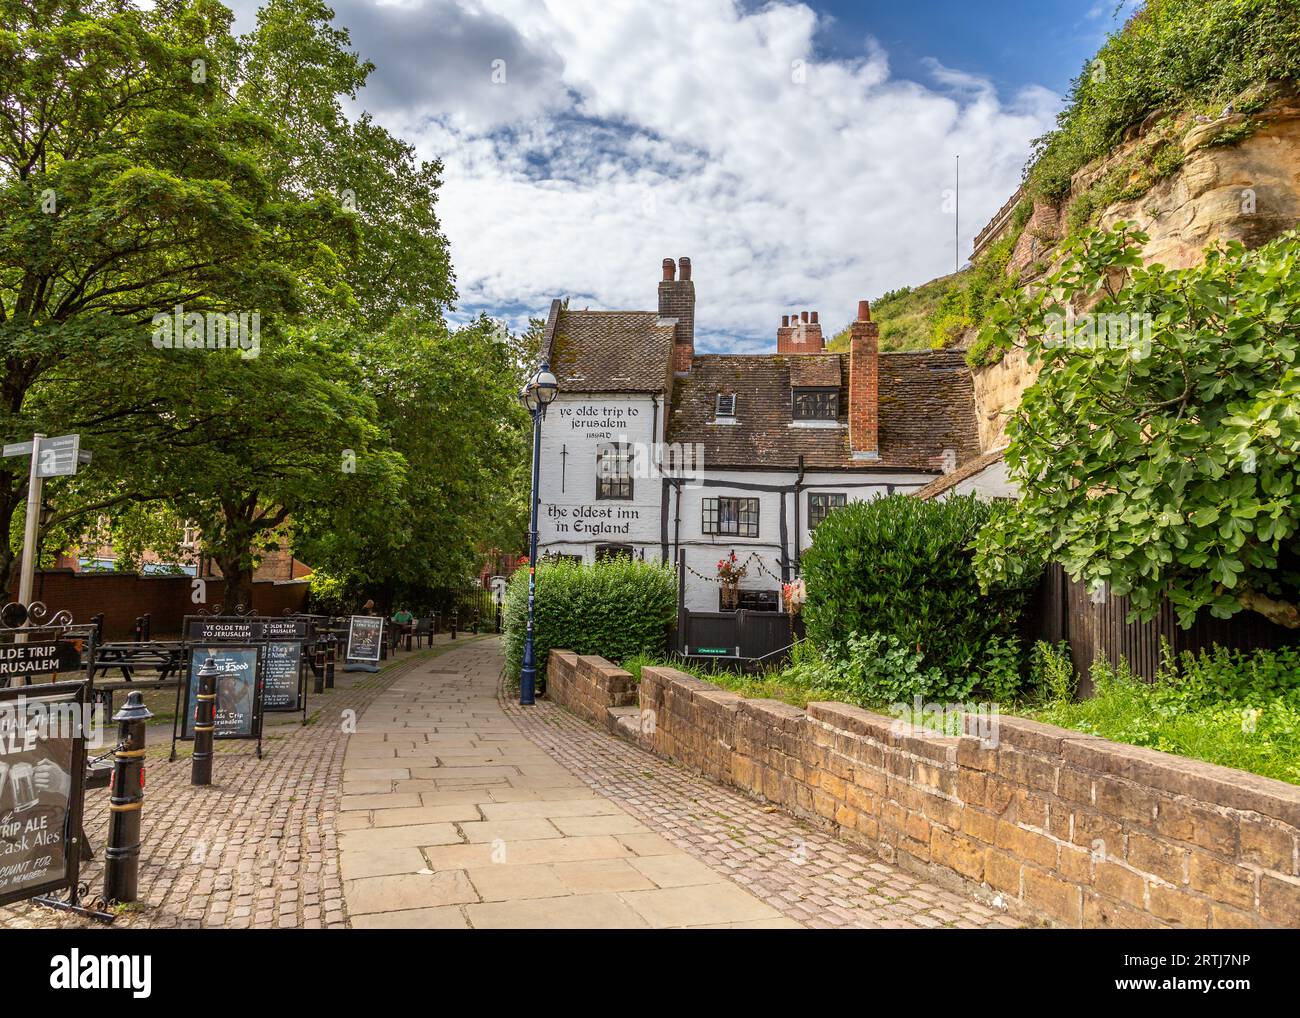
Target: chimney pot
point(803, 316)
point(864, 311)
point(785, 321)
point(684, 264)
point(814, 318)
point(670, 270)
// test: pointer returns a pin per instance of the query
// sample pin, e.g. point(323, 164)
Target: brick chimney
point(864, 385)
point(677, 301)
point(800, 333)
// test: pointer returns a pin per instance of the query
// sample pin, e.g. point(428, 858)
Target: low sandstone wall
point(1046, 821)
point(587, 685)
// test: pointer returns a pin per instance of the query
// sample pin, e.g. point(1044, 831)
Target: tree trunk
point(1283, 613)
point(238, 583)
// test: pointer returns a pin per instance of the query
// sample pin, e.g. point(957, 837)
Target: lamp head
point(545, 384)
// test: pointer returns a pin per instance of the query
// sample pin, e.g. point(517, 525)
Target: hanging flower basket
point(730, 573)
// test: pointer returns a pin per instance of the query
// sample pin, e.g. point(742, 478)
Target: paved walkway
point(256, 848)
point(461, 809)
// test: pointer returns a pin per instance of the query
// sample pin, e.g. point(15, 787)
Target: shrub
point(903, 567)
point(1227, 707)
point(617, 608)
point(1171, 55)
point(329, 595)
point(1051, 671)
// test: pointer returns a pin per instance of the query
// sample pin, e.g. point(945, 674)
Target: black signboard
point(364, 635)
point(281, 676)
point(239, 690)
point(244, 630)
point(38, 658)
point(42, 782)
point(284, 678)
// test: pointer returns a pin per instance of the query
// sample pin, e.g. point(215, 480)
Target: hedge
point(617, 608)
point(903, 567)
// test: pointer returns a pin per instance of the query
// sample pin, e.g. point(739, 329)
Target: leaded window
point(737, 517)
point(820, 504)
point(816, 404)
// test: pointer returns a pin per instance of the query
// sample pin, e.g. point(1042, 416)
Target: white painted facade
point(991, 482)
point(571, 519)
point(663, 515)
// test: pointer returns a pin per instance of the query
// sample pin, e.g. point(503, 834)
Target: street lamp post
point(536, 396)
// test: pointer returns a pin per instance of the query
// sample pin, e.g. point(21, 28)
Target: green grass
point(1230, 708)
point(905, 320)
point(1238, 710)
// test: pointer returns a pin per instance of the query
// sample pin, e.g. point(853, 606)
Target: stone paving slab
point(805, 874)
point(560, 825)
point(258, 847)
point(504, 832)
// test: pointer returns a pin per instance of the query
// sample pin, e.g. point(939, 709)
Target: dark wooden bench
point(165, 658)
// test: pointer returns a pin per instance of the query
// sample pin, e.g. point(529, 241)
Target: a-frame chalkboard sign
point(42, 794)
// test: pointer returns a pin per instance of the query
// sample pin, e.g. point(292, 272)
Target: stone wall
point(1047, 822)
point(587, 685)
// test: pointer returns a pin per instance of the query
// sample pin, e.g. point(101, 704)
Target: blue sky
point(1012, 42)
point(801, 153)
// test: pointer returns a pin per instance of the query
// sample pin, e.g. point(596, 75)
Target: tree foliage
point(150, 160)
point(1159, 450)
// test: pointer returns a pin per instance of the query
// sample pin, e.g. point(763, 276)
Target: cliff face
point(1247, 190)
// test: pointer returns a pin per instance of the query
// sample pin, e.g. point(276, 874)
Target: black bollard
point(455, 615)
point(320, 665)
point(122, 856)
point(331, 655)
point(498, 618)
point(138, 632)
point(205, 716)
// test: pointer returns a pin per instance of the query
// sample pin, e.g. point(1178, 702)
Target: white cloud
point(627, 132)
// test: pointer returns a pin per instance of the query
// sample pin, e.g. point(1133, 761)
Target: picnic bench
point(167, 658)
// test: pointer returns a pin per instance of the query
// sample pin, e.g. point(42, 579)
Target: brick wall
point(1052, 823)
point(588, 685)
point(1038, 238)
point(166, 599)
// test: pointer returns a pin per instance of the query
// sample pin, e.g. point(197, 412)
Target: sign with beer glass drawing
point(42, 780)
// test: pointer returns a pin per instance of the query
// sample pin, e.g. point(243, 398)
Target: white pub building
point(651, 449)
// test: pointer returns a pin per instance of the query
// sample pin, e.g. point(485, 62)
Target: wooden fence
point(1094, 628)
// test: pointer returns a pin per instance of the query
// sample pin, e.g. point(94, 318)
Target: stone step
point(625, 722)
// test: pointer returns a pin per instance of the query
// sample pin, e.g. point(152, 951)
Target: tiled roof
point(926, 407)
point(967, 470)
point(610, 351)
point(815, 370)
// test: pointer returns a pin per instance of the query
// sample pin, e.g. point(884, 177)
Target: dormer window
point(816, 404)
point(726, 405)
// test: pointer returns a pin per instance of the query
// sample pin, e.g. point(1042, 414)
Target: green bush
point(1171, 55)
point(1226, 707)
point(903, 567)
point(617, 608)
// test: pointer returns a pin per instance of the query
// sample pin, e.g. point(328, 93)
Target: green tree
point(130, 183)
point(446, 400)
point(1159, 450)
